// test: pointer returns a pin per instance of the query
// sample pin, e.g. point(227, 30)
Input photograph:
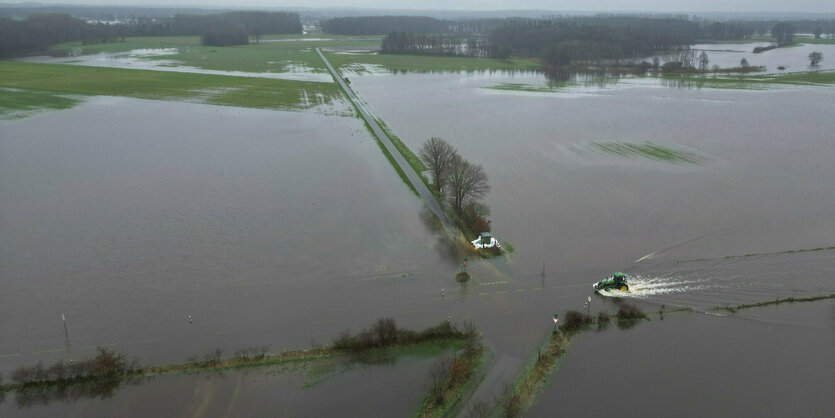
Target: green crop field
point(164, 85)
point(275, 53)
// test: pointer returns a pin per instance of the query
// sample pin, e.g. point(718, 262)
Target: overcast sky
point(805, 6)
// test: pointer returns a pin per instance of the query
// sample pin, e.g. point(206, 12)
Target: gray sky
point(805, 6)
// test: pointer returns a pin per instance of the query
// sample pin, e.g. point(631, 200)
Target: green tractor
point(616, 282)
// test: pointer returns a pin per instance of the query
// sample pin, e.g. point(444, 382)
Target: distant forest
point(586, 40)
point(379, 25)
point(37, 32)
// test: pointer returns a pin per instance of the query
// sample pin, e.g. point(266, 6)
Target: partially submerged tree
point(466, 182)
point(815, 58)
point(437, 154)
point(744, 64)
point(703, 61)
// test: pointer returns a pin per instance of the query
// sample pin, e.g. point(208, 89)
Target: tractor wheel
point(624, 288)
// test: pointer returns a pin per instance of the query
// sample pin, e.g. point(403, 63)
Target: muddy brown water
point(281, 228)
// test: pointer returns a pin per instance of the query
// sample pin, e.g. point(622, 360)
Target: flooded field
point(761, 187)
point(265, 227)
point(159, 59)
point(283, 229)
point(697, 365)
point(256, 392)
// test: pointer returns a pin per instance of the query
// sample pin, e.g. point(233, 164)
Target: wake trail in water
point(641, 286)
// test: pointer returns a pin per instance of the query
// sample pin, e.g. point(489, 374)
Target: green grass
point(822, 41)
point(163, 85)
point(649, 150)
point(262, 57)
point(755, 82)
point(17, 103)
point(426, 63)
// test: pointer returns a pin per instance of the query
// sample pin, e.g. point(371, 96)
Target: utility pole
point(66, 330)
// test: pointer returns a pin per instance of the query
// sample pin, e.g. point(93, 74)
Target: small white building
point(485, 240)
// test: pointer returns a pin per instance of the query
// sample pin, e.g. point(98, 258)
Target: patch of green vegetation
point(452, 378)
point(754, 82)
point(426, 63)
point(163, 85)
point(383, 338)
point(649, 150)
point(17, 103)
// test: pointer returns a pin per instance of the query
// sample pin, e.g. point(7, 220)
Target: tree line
point(379, 25)
point(434, 44)
point(37, 32)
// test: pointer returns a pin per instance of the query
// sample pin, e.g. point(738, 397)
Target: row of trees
point(462, 182)
point(590, 39)
point(423, 44)
point(225, 37)
point(378, 25)
point(37, 32)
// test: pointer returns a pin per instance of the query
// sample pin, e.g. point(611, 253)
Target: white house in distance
point(485, 240)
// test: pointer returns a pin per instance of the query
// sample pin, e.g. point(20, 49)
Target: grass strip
point(734, 309)
point(649, 150)
point(109, 366)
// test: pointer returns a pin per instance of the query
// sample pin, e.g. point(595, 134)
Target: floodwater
point(763, 185)
point(268, 228)
point(766, 362)
point(148, 59)
point(256, 392)
point(795, 58)
point(282, 228)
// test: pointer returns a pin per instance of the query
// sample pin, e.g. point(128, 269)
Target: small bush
point(462, 277)
point(602, 320)
point(574, 321)
point(628, 316)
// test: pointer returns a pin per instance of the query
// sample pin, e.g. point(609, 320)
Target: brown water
point(767, 362)
point(281, 228)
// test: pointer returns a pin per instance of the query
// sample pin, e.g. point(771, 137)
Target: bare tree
point(466, 181)
point(703, 61)
point(437, 154)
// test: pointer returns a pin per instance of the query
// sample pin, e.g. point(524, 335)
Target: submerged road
point(423, 192)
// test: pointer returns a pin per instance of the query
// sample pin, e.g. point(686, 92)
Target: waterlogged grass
point(426, 63)
point(162, 85)
point(649, 150)
point(275, 53)
point(18, 103)
point(753, 82)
